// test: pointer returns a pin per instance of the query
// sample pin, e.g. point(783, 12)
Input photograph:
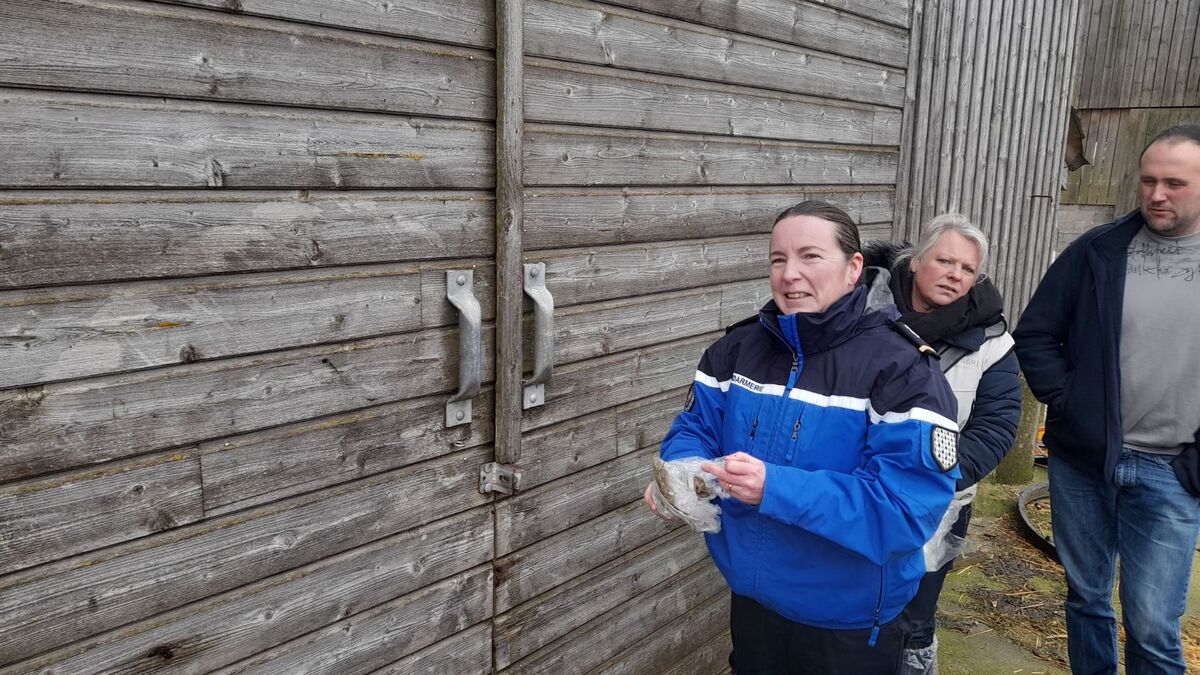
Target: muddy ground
point(1001, 610)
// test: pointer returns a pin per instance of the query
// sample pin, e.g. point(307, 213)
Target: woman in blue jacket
point(942, 295)
point(838, 433)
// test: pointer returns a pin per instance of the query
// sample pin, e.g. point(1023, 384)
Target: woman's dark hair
point(1177, 133)
point(847, 232)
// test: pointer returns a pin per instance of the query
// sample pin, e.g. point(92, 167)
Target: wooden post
point(510, 124)
point(908, 125)
point(1017, 467)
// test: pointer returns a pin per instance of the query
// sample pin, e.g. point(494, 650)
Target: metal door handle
point(543, 335)
point(460, 291)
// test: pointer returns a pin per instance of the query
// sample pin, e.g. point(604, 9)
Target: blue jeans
point(1149, 522)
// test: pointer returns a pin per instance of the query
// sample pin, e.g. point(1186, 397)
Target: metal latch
point(497, 477)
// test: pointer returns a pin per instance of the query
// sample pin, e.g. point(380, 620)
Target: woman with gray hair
point(941, 293)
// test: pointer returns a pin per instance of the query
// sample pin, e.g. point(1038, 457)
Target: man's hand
point(654, 507)
point(742, 477)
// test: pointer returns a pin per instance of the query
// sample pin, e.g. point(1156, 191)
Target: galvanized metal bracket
point(534, 394)
point(460, 291)
point(496, 477)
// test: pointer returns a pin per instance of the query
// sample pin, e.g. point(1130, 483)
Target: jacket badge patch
point(690, 401)
point(943, 443)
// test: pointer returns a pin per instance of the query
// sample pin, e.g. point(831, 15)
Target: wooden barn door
point(658, 142)
point(226, 349)
point(255, 255)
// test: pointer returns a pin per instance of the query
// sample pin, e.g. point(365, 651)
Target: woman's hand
point(654, 507)
point(743, 477)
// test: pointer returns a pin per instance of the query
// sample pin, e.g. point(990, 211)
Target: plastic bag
point(944, 546)
point(682, 490)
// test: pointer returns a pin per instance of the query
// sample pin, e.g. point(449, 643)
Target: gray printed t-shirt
point(1160, 343)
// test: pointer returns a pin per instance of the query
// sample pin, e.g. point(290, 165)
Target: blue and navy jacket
point(842, 410)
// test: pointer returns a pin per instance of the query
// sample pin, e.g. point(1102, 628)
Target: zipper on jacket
point(795, 434)
point(879, 605)
point(754, 427)
point(792, 375)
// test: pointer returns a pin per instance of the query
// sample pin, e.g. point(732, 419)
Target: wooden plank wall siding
point(225, 345)
point(1138, 54)
point(1138, 73)
point(989, 91)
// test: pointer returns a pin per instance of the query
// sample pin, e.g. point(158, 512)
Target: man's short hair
point(1179, 132)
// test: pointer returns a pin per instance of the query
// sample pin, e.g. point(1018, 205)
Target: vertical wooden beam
point(908, 146)
point(510, 128)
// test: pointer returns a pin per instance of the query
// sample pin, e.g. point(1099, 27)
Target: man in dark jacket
point(1107, 342)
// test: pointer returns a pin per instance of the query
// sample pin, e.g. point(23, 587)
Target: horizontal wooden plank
point(85, 140)
point(567, 447)
point(465, 653)
point(744, 299)
point(165, 233)
point(567, 156)
point(58, 426)
point(591, 330)
point(55, 604)
point(895, 12)
point(684, 642)
point(880, 231)
point(533, 515)
point(581, 388)
point(804, 24)
point(644, 423)
point(240, 623)
point(712, 657)
point(52, 518)
point(81, 331)
point(375, 637)
point(553, 561)
point(599, 640)
point(536, 623)
point(556, 91)
point(264, 466)
point(578, 276)
point(465, 22)
point(134, 48)
point(563, 217)
point(576, 30)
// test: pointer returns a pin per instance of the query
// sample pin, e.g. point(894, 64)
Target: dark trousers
point(765, 643)
point(920, 612)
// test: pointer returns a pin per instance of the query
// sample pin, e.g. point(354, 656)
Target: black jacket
point(1068, 343)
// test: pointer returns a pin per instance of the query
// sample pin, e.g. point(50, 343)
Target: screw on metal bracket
point(496, 477)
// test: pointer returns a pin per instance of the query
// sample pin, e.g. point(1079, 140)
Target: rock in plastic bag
point(682, 490)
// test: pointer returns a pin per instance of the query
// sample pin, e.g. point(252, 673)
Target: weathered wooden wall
point(224, 235)
point(1138, 73)
point(1138, 54)
point(989, 100)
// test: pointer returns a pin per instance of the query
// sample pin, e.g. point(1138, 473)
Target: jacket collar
point(973, 338)
point(1112, 244)
point(813, 332)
